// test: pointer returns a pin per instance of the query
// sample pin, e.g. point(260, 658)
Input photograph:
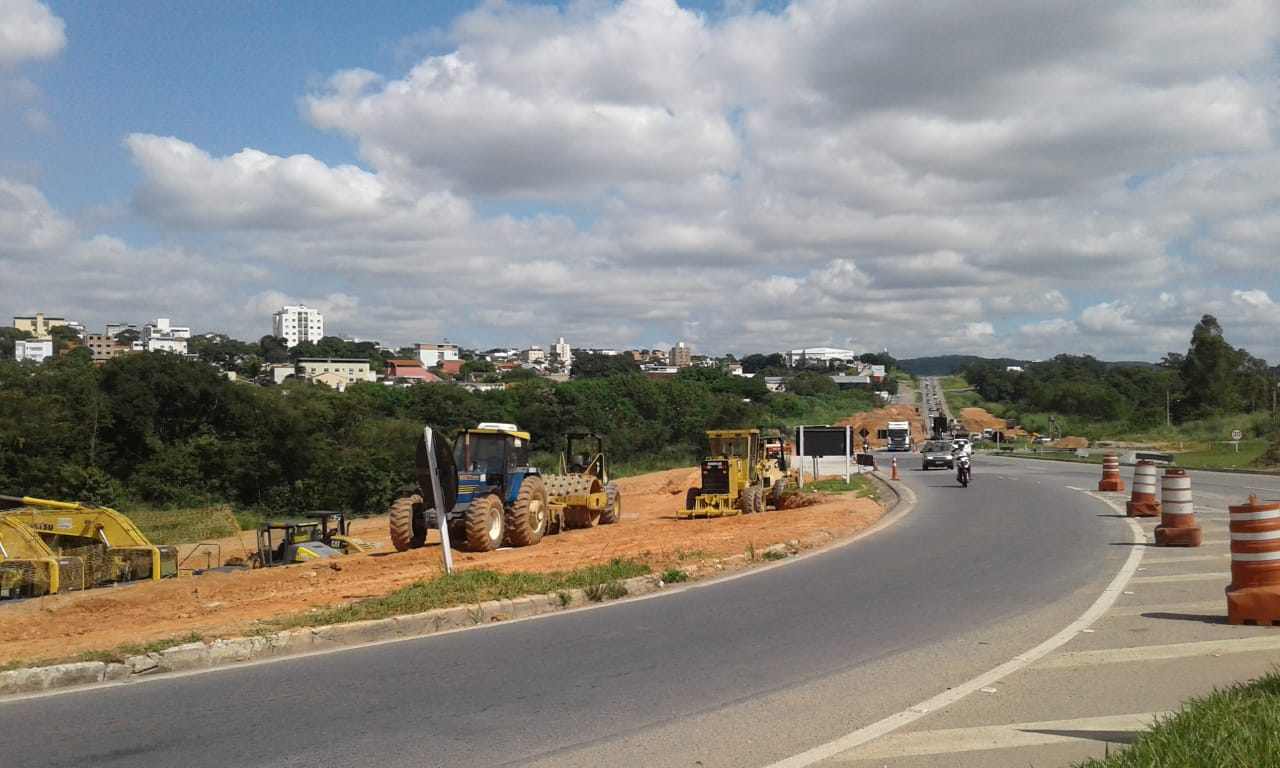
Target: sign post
point(437, 496)
point(848, 443)
point(800, 457)
point(1236, 437)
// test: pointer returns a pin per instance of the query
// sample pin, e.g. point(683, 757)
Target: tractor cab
point(584, 455)
point(320, 534)
point(488, 458)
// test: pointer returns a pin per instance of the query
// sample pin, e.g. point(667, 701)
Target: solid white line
point(1010, 736)
point(1160, 652)
point(911, 714)
point(1187, 559)
point(1214, 576)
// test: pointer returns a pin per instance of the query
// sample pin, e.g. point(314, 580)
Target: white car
point(963, 445)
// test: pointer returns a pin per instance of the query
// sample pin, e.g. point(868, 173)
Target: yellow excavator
point(28, 568)
point(107, 544)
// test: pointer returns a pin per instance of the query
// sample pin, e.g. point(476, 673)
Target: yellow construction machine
point(583, 486)
point(108, 544)
point(285, 542)
point(28, 568)
point(775, 474)
point(731, 480)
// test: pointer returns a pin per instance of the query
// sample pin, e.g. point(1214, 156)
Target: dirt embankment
point(878, 419)
point(229, 604)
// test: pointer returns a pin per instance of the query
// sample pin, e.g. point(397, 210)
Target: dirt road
point(220, 604)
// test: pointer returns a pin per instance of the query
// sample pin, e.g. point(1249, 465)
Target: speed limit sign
point(1237, 434)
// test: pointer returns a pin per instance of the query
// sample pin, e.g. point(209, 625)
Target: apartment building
point(297, 323)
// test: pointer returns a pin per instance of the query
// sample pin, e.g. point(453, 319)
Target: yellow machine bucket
point(108, 544)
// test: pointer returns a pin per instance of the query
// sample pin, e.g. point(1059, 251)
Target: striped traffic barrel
point(1178, 526)
point(1254, 594)
point(1111, 474)
point(1143, 501)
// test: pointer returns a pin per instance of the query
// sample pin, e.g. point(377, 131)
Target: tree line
point(1212, 378)
point(169, 431)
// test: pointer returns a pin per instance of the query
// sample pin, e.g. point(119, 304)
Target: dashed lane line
point(949, 741)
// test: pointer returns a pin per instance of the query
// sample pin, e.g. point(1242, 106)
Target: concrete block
point(231, 651)
point(522, 607)
point(453, 618)
point(116, 672)
point(184, 657)
point(140, 664)
point(34, 679)
point(355, 632)
point(417, 624)
point(488, 610)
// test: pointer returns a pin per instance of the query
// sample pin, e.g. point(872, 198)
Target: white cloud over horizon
point(1048, 178)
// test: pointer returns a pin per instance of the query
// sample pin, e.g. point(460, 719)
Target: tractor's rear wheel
point(484, 524)
point(691, 498)
point(408, 529)
point(746, 500)
point(757, 499)
point(778, 491)
point(613, 506)
point(527, 520)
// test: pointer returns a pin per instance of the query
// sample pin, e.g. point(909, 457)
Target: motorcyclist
point(963, 469)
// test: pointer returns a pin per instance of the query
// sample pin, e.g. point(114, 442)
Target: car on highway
point(936, 453)
point(962, 444)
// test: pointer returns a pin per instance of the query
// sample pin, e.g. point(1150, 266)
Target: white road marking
point(911, 714)
point(1138, 653)
point(1185, 559)
point(1198, 607)
point(1214, 576)
point(951, 740)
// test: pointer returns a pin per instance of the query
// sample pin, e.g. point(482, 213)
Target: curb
point(196, 656)
point(291, 642)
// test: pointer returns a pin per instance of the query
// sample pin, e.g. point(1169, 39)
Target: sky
point(998, 177)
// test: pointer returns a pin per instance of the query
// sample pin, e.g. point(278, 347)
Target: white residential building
point(562, 353)
point(163, 336)
point(432, 355)
point(534, 355)
point(35, 350)
point(681, 355)
point(297, 323)
point(810, 355)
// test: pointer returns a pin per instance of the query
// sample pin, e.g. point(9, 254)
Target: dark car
point(937, 454)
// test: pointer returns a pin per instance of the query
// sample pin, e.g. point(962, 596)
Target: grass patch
point(773, 554)
point(115, 655)
point(674, 576)
point(471, 587)
point(858, 485)
point(185, 524)
point(1238, 727)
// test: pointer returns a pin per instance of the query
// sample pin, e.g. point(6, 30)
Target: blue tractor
point(492, 496)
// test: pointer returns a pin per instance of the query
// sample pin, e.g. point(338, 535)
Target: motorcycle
point(963, 472)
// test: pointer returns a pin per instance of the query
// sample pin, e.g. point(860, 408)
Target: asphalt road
point(736, 673)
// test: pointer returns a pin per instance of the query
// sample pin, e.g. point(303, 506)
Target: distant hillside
point(945, 365)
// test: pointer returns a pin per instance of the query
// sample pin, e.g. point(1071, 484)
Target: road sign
point(864, 433)
point(823, 441)
point(1237, 435)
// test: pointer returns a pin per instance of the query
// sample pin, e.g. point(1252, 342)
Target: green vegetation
point(470, 588)
point(115, 655)
point(858, 485)
point(1234, 728)
point(773, 554)
point(674, 576)
point(1196, 398)
point(178, 526)
point(162, 432)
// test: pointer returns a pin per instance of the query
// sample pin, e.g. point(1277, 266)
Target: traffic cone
point(1254, 594)
point(1178, 527)
point(1143, 501)
point(1110, 474)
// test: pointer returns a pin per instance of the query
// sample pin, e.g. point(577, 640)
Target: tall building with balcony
point(297, 323)
point(562, 353)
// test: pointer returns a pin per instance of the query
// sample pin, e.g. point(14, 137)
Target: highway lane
point(736, 673)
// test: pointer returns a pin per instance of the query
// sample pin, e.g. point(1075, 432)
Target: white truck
point(899, 433)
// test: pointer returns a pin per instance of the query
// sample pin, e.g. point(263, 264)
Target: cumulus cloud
point(29, 31)
point(624, 172)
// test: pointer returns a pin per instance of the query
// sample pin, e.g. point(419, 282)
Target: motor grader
point(775, 474)
point(107, 543)
point(583, 485)
point(731, 482)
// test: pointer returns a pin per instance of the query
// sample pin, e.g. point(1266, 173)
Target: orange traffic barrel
point(1254, 594)
point(1143, 501)
point(1178, 526)
point(1111, 474)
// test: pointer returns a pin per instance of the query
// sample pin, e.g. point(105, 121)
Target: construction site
point(82, 579)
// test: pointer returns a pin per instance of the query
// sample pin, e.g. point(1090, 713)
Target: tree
point(7, 337)
point(64, 337)
point(755, 363)
point(128, 336)
point(592, 365)
point(1208, 370)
